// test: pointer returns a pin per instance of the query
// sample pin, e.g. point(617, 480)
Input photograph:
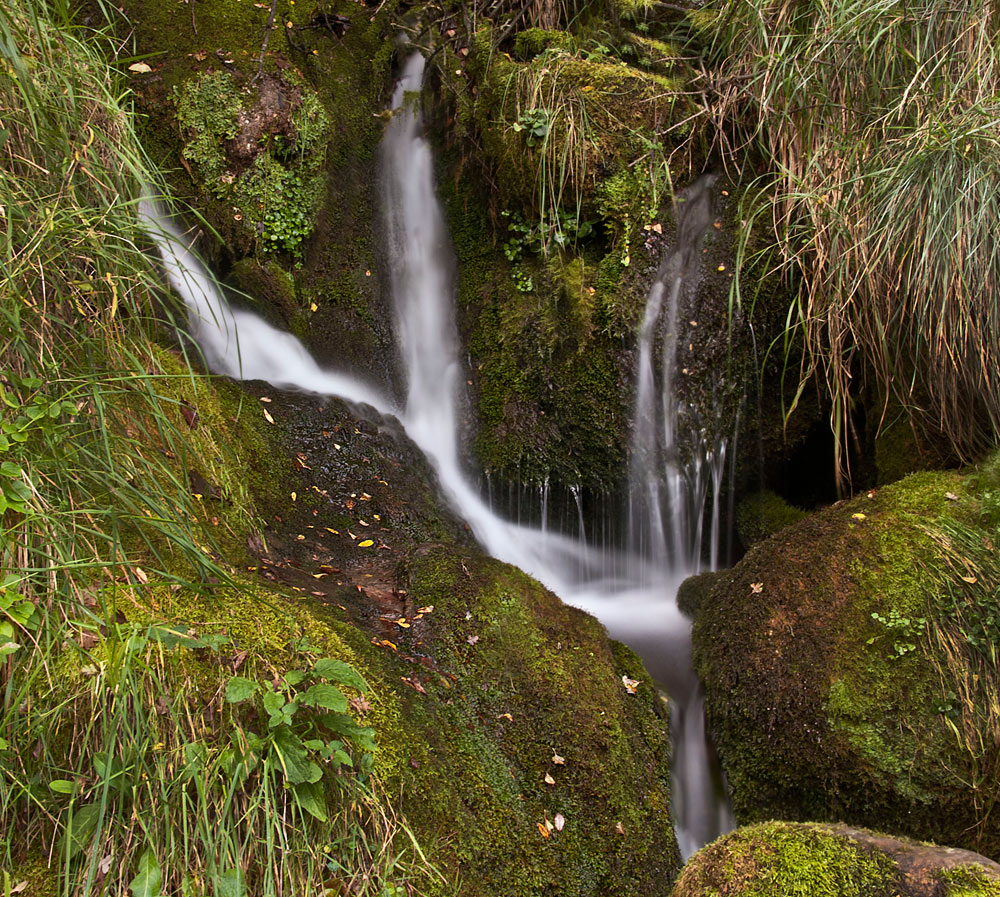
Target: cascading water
point(637, 606)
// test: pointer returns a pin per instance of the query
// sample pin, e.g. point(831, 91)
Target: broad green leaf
point(274, 704)
point(298, 768)
point(294, 677)
point(338, 671)
point(239, 689)
point(62, 786)
point(310, 796)
point(329, 697)
point(149, 879)
point(10, 469)
point(342, 724)
point(230, 884)
point(80, 829)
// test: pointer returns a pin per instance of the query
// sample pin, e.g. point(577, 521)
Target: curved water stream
point(633, 595)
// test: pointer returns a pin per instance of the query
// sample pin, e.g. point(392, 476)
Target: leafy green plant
point(304, 712)
point(535, 124)
point(903, 630)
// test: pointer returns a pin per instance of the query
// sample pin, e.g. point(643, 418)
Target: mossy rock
point(694, 590)
point(834, 653)
point(763, 514)
point(489, 677)
point(784, 859)
point(299, 190)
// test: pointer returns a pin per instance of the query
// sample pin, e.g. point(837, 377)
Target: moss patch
point(778, 859)
point(762, 514)
point(284, 166)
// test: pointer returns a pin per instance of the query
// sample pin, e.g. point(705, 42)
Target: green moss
point(762, 514)
point(533, 41)
point(313, 183)
point(693, 592)
point(260, 149)
point(36, 876)
point(511, 654)
point(779, 859)
point(970, 881)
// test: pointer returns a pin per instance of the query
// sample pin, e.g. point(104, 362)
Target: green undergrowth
point(862, 642)
point(779, 859)
point(126, 481)
point(547, 377)
point(583, 140)
point(262, 149)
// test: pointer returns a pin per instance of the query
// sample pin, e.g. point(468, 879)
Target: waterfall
point(632, 595)
point(666, 496)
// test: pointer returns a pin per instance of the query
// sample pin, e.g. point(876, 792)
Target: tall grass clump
point(127, 763)
point(879, 126)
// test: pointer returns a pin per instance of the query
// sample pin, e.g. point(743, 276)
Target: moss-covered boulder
point(850, 664)
point(782, 859)
point(501, 715)
point(762, 514)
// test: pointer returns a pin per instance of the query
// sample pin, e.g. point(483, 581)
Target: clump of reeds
point(878, 123)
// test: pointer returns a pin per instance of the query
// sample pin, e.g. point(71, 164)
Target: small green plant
point(535, 123)
point(308, 726)
point(904, 631)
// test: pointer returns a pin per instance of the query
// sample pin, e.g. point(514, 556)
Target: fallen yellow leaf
point(366, 544)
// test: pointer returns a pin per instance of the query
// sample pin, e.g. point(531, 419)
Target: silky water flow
point(632, 594)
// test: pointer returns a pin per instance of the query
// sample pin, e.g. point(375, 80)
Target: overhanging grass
point(879, 123)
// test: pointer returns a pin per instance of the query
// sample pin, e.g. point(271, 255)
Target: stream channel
point(631, 592)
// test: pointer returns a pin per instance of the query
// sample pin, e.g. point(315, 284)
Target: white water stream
point(636, 605)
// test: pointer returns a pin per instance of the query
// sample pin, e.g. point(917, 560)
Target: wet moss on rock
point(833, 654)
point(762, 514)
point(781, 859)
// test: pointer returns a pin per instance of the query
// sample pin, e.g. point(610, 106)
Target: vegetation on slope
point(877, 125)
point(120, 758)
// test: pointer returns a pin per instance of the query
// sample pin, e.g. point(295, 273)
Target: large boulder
point(850, 664)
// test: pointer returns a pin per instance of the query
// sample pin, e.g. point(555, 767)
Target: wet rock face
point(813, 860)
point(833, 655)
point(523, 763)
